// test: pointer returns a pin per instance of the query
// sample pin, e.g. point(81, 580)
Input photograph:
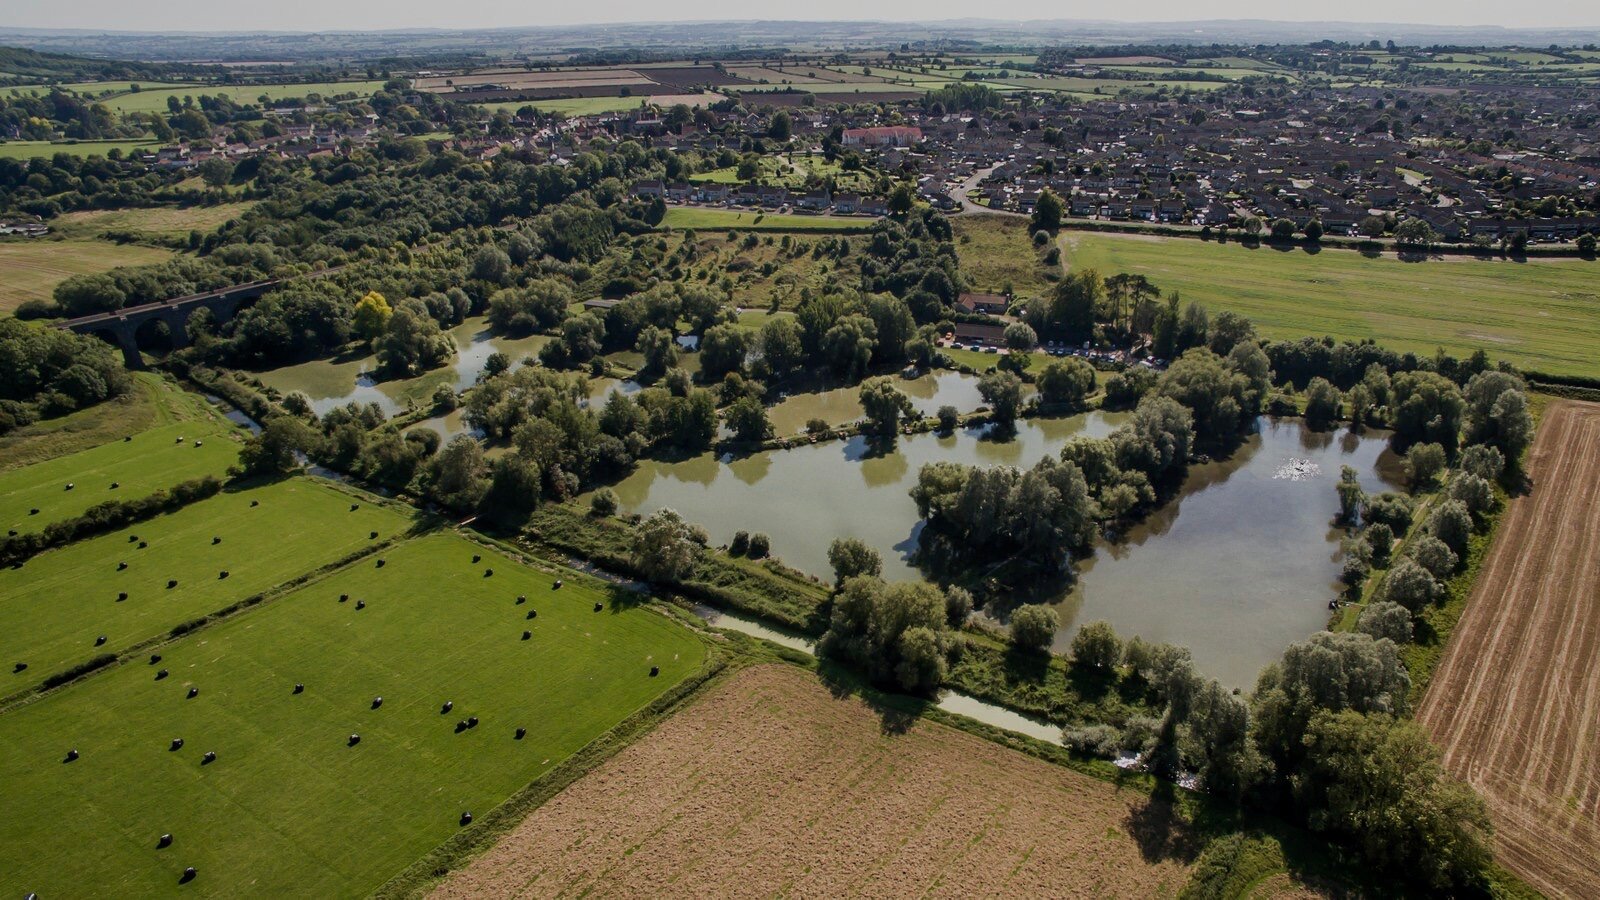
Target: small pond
point(333, 383)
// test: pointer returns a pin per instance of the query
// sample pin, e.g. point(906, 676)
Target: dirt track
point(772, 786)
point(1515, 704)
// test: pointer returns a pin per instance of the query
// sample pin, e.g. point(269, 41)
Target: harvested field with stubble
point(1516, 703)
point(771, 785)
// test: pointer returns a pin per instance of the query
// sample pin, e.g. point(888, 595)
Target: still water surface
point(1236, 567)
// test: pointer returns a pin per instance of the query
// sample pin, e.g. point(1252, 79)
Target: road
point(959, 195)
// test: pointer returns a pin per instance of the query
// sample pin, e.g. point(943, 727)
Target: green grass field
point(289, 808)
point(54, 607)
point(155, 221)
point(156, 100)
point(1542, 315)
point(745, 220)
point(151, 402)
point(997, 251)
point(154, 459)
point(32, 149)
point(30, 269)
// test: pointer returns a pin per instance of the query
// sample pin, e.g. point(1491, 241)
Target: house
point(649, 188)
point(875, 206)
point(887, 136)
point(849, 204)
point(982, 335)
point(600, 304)
point(987, 304)
point(712, 192)
point(679, 191)
point(818, 199)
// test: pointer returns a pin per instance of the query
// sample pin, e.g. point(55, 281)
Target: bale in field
point(372, 534)
point(11, 533)
point(164, 842)
point(70, 485)
point(115, 485)
point(209, 758)
point(299, 688)
point(380, 563)
point(476, 558)
point(19, 667)
point(354, 507)
point(179, 440)
point(161, 674)
point(521, 599)
point(461, 726)
point(143, 545)
point(216, 539)
point(172, 583)
point(100, 641)
point(557, 585)
point(466, 818)
point(34, 511)
point(133, 538)
point(121, 566)
point(522, 733)
point(488, 573)
point(598, 607)
point(343, 597)
point(127, 438)
point(361, 604)
point(654, 671)
point(533, 614)
point(121, 596)
point(472, 721)
point(254, 503)
point(448, 705)
point(177, 744)
point(527, 635)
point(155, 658)
point(377, 702)
point(354, 740)
point(193, 693)
point(222, 574)
point(188, 875)
point(72, 755)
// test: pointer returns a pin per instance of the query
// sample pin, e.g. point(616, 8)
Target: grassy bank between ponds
point(758, 588)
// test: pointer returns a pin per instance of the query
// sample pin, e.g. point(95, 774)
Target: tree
point(748, 421)
point(851, 557)
point(1586, 245)
point(278, 448)
point(1424, 462)
point(895, 633)
point(1322, 403)
point(1431, 553)
point(659, 350)
point(1018, 336)
point(849, 344)
point(903, 198)
point(1314, 231)
point(1452, 523)
point(1351, 495)
point(1497, 413)
point(1033, 627)
point(1282, 229)
point(1376, 782)
point(1046, 212)
point(780, 346)
point(1066, 383)
point(456, 476)
point(664, 547)
point(1426, 408)
point(1415, 233)
point(723, 349)
point(1386, 620)
point(541, 305)
point(412, 342)
point(884, 405)
point(1097, 646)
point(216, 172)
point(1068, 311)
point(371, 315)
point(1410, 585)
point(1002, 393)
point(781, 126)
point(491, 264)
point(82, 295)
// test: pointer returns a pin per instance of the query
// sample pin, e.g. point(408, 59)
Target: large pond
point(1239, 565)
point(333, 383)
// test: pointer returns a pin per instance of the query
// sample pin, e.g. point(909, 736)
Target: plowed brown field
point(1516, 702)
point(770, 785)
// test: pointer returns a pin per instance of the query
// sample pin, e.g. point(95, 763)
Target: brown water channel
point(1239, 565)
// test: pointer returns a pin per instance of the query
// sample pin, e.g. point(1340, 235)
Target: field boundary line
point(457, 851)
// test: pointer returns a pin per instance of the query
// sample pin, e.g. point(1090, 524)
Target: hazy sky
point(313, 15)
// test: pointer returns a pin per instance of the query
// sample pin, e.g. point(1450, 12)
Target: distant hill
point(21, 63)
point(712, 37)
